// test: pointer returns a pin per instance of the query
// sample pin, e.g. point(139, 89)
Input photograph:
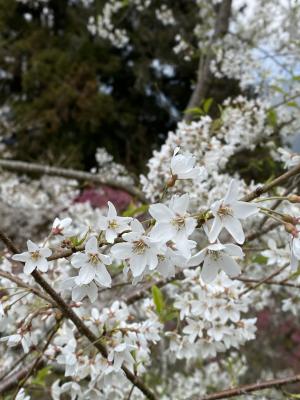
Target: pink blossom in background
point(99, 196)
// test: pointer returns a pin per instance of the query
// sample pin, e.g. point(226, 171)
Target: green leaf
point(292, 104)
point(272, 117)
point(277, 89)
point(132, 211)
point(172, 314)
point(41, 376)
point(260, 259)
point(195, 110)
point(207, 105)
point(158, 299)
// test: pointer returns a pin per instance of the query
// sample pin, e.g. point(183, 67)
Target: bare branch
point(253, 387)
point(20, 166)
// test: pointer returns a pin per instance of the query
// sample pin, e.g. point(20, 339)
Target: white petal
point(21, 257)
point(216, 228)
point(161, 212)
point(29, 267)
point(162, 232)
point(78, 293)
point(136, 226)
point(244, 210)
point(233, 250)
point(180, 204)
point(45, 252)
point(190, 225)
point(42, 264)
point(102, 223)
point(79, 260)
point(121, 251)
point(110, 235)
point(209, 270)
point(102, 276)
point(86, 274)
point(230, 266)
point(232, 192)
point(112, 212)
point(105, 259)
point(234, 227)
point(197, 259)
point(92, 292)
point(152, 260)
point(91, 245)
point(32, 246)
point(138, 265)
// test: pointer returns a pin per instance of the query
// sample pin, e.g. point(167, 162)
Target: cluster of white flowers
point(211, 316)
point(111, 170)
point(103, 25)
point(165, 15)
point(242, 125)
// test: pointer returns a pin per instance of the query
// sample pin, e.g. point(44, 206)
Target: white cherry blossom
point(217, 257)
point(35, 257)
point(122, 354)
point(112, 224)
point(140, 250)
point(62, 227)
point(92, 265)
point(174, 223)
point(183, 165)
point(227, 214)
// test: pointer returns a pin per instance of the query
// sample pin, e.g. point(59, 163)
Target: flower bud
point(290, 219)
point(171, 181)
point(294, 198)
point(290, 228)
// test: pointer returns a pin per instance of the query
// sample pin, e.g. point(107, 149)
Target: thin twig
point(264, 280)
point(253, 387)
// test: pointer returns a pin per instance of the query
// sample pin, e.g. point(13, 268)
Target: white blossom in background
point(35, 257)
point(288, 158)
point(165, 15)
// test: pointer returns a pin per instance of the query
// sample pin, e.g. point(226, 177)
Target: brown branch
point(20, 166)
point(253, 387)
point(276, 182)
point(264, 280)
point(77, 321)
point(12, 381)
point(268, 282)
point(204, 75)
point(37, 362)
point(24, 285)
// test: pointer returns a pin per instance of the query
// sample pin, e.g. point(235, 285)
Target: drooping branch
point(254, 387)
point(204, 75)
point(25, 167)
